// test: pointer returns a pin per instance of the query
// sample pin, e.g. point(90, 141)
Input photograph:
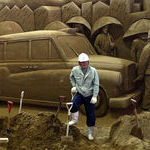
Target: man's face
point(143, 37)
point(84, 65)
point(105, 29)
point(79, 27)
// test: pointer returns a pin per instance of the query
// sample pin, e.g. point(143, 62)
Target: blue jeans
point(78, 100)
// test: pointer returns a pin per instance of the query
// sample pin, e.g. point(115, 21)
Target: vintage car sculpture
point(39, 63)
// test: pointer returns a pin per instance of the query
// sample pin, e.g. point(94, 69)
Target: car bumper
point(124, 101)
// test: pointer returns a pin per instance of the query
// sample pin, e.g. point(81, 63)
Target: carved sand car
point(40, 63)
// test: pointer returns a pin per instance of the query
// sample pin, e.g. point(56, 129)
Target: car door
point(34, 68)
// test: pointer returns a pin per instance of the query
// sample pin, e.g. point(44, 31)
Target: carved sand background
point(38, 129)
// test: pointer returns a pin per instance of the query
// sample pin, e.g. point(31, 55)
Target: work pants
point(78, 100)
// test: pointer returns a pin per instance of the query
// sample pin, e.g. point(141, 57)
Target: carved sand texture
point(100, 9)
point(45, 15)
point(80, 2)
point(9, 3)
point(133, 17)
point(9, 27)
point(70, 10)
point(4, 13)
point(136, 7)
point(56, 25)
point(33, 4)
point(146, 4)
point(87, 11)
point(27, 19)
point(119, 10)
point(24, 16)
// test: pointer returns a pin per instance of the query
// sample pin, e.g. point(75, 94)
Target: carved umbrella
point(139, 27)
point(115, 26)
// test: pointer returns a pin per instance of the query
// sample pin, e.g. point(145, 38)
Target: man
point(137, 47)
point(144, 74)
point(82, 29)
point(85, 82)
point(104, 43)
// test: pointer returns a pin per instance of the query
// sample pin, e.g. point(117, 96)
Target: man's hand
point(93, 100)
point(139, 78)
point(73, 90)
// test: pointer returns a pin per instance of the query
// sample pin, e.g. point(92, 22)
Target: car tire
point(102, 105)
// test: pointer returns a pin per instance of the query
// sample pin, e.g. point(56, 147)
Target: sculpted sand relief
point(36, 43)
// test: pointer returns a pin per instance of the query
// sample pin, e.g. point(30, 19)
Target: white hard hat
point(83, 57)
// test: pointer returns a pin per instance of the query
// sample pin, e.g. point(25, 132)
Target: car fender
point(111, 82)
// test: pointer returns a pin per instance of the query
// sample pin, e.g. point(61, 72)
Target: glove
point(73, 90)
point(93, 100)
point(139, 78)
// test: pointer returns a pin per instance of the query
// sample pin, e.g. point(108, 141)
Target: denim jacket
point(87, 84)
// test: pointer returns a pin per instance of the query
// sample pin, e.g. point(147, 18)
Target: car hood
point(106, 62)
point(125, 67)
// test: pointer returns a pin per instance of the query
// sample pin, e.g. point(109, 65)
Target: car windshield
point(74, 45)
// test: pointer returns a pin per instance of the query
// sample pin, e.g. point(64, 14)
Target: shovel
point(10, 104)
point(21, 98)
point(61, 98)
point(136, 130)
point(67, 138)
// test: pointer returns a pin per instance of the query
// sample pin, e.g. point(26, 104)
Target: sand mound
point(42, 132)
point(122, 135)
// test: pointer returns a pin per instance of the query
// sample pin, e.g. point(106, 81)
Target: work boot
point(90, 133)
point(74, 118)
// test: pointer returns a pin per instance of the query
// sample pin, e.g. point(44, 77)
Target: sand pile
point(42, 132)
point(121, 135)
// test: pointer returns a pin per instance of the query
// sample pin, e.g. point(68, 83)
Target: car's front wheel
point(101, 107)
